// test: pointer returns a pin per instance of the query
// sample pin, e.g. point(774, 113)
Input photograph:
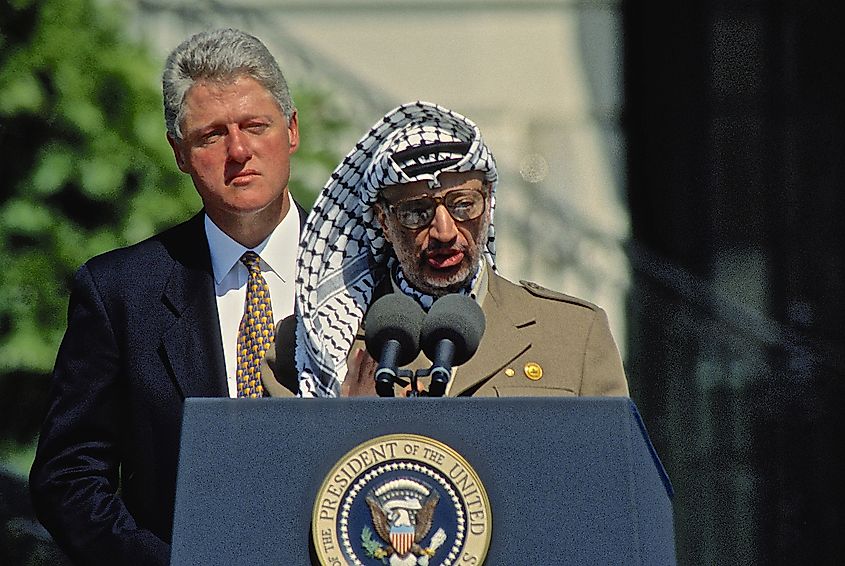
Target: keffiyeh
point(343, 255)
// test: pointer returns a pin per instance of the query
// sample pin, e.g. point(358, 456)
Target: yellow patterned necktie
point(256, 331)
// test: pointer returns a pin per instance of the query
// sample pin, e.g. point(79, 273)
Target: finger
point(353, 373)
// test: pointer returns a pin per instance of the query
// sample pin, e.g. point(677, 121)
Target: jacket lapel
point(504, 337)
point(193, 345)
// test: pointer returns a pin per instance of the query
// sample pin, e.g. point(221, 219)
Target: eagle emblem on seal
point(402, 512)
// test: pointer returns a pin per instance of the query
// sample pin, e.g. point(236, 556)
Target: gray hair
point(220, 55)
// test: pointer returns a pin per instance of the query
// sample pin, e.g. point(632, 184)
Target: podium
point(569, 480)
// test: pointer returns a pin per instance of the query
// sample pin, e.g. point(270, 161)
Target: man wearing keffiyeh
point(410, 210)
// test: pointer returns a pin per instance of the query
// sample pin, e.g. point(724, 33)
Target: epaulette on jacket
point(540, 291)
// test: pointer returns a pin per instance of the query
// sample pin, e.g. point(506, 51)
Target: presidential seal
point(401, 500)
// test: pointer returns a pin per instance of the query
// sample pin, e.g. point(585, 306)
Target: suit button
point(533, 371)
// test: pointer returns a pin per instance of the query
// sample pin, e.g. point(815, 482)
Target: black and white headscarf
point(343, 254)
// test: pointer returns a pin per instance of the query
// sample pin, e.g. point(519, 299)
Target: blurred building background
point(679, 165)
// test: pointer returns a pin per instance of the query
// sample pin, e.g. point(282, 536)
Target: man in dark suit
point(174, 316)
point(410, 210)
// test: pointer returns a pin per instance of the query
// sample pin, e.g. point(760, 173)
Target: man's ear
point(293, 132)
point(381, 217)
point(488, 198)
point(181, 160)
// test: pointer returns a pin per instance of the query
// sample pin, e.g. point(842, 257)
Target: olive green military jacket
point(540, 343)
point(537, 342)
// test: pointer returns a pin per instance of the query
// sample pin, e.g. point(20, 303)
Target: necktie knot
point(252, 262)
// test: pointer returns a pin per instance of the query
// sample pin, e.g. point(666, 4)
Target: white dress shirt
point(278, 266)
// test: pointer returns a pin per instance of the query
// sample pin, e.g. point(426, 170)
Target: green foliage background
point(86, 168)
point(87, 165)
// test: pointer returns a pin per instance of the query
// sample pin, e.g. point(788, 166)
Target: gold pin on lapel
point(509, 372)
point(533, 371)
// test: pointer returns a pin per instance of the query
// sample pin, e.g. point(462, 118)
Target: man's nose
point(239, 148)
point(443, 227)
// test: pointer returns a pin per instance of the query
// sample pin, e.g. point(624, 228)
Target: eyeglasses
point(462, 204)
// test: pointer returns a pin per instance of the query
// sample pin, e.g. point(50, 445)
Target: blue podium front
point(567, 481)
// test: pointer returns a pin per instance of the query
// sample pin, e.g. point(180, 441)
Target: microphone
point(392, 334)
point(450, 334)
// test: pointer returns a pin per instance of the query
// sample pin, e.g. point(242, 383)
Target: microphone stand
point(385, 375)
point(441, 371)
point(439, 380)
point(415, 392)
point(385, 378)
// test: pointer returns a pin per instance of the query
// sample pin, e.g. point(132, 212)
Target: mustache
point(442, 249)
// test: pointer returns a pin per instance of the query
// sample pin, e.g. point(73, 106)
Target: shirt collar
point(275, 250)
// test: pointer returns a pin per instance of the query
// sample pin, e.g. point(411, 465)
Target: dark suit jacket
point(143, 334)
